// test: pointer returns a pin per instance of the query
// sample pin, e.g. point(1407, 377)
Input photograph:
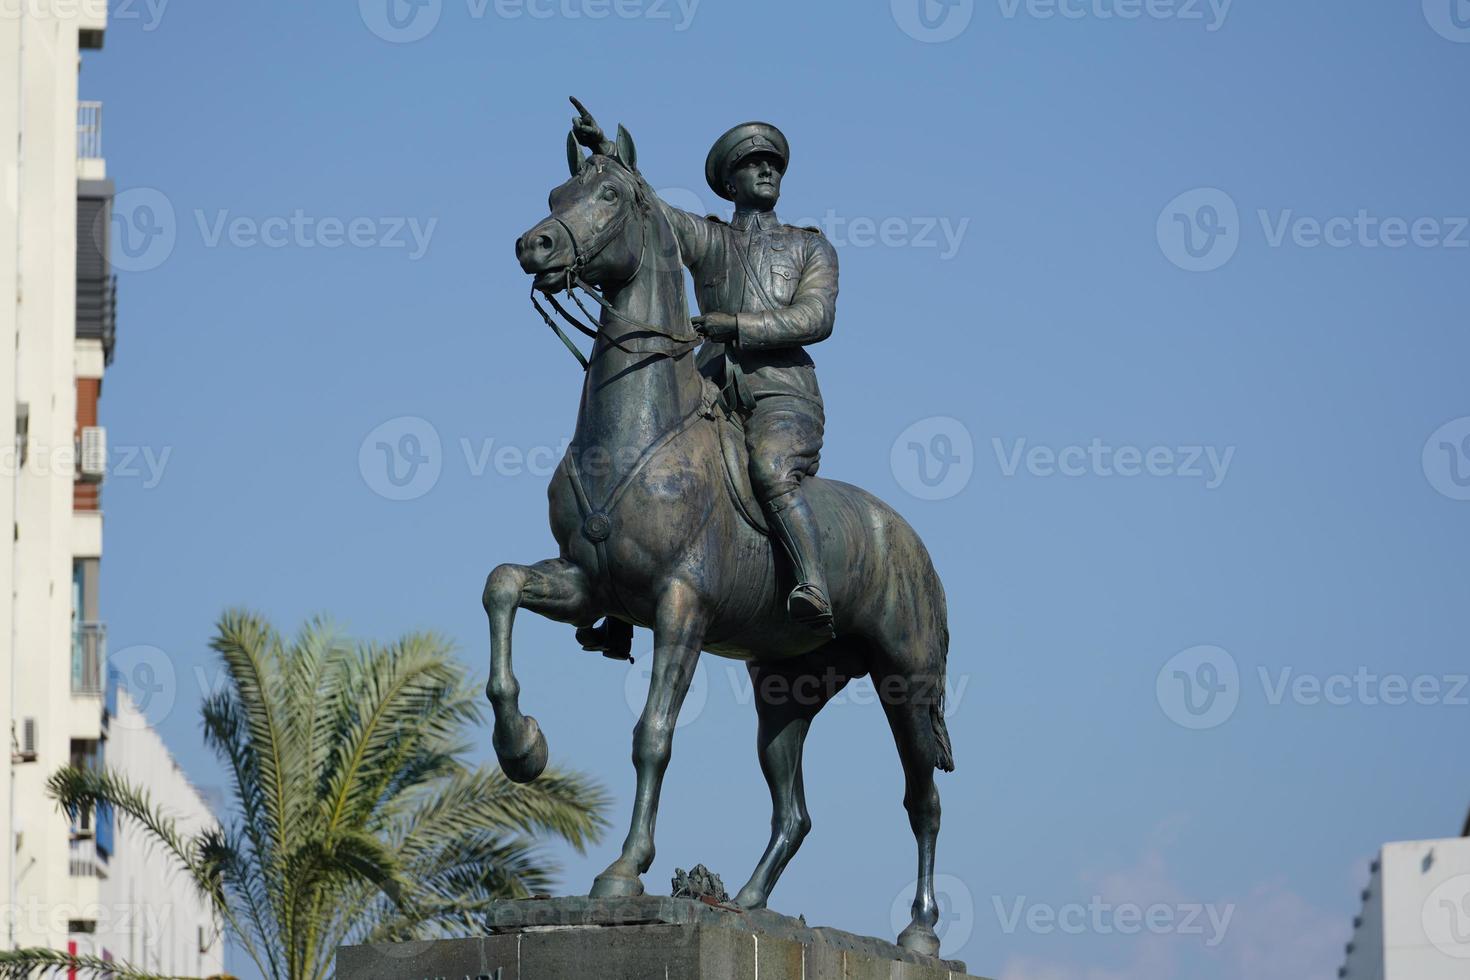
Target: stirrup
point(809, 606)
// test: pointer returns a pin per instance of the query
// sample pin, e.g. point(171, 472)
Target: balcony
point(88, 658)
point(90, 165)
point(89, 130)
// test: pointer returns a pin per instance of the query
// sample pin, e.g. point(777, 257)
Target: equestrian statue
point(688, 502)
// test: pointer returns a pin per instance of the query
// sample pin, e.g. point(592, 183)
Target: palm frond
point(78, 791)
point(22, 964)
point(406, 695)
point(251, 651)
point(559, 802)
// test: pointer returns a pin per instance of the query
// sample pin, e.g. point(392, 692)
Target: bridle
point(582, 255)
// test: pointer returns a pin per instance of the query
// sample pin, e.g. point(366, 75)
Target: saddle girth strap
point(597, 523)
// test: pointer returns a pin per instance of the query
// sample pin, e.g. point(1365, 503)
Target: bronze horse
point(653, 530)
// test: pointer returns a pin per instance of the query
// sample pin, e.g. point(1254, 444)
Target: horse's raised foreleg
point(556, 589)
point(678, 635)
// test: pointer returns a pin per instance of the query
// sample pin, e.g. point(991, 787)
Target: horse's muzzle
point(545, 252)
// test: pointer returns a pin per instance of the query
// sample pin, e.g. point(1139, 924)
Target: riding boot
point(613, 638)
point(796, 526)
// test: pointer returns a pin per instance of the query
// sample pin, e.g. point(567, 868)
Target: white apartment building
point(64, 882)
point(1415, 923)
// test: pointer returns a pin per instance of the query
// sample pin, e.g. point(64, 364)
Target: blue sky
point(1170, 297)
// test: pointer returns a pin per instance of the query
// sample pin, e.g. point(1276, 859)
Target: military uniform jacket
point(792, 301)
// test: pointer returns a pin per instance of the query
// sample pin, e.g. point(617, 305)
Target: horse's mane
point(649, 204)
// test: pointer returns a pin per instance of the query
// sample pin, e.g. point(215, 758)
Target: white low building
point(1415, 923)
point(153, 917)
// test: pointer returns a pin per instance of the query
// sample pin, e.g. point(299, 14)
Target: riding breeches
point(783, 435)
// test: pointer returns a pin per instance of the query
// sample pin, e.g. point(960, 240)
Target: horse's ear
point(575, 160)
point(627, 152)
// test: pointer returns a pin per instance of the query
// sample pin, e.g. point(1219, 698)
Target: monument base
point(644, 938)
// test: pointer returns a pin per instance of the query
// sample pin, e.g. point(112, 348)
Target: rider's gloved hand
point(719, 327)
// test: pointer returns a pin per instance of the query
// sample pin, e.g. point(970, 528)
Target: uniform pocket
point(783, 283)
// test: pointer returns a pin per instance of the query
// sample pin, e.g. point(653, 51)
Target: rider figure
point(765, 291)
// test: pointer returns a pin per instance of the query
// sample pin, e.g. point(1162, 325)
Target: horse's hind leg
point(909, 679)
point(786, 701)
point(556, 589)
point(906, 702)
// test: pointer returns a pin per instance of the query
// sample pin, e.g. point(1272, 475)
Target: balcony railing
point(88, 658)
point(89, 130)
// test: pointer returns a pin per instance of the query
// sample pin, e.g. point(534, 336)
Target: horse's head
point(596, 227)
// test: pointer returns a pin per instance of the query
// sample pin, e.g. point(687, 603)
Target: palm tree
point(357, 817)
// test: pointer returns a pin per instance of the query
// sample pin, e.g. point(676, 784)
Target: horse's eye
point(609, 193)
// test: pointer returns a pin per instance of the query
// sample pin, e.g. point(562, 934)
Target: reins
point(580, 258)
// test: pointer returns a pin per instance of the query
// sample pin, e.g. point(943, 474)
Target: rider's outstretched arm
point(696, 234)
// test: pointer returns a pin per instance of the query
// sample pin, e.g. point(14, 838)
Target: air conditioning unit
point(92, 459)
point(28, 748)
point(22, 432)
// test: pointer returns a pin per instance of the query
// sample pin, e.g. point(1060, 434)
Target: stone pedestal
point(645, 938)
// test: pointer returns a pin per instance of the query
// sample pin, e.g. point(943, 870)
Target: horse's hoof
point(522, 755)
point(919, 938)
point(750, 899)
point(609, 885)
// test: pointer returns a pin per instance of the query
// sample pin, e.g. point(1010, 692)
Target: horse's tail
point(945, 759)
point(936, 632)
